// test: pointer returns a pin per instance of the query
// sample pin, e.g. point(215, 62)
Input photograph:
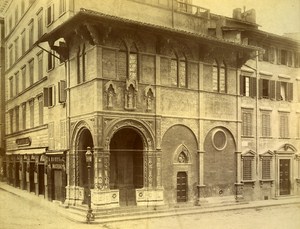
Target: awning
point(27, 151)
point(56, 152)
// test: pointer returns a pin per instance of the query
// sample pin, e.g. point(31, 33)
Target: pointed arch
point(182, 154)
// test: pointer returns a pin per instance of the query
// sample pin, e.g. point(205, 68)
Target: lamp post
point(89, 158)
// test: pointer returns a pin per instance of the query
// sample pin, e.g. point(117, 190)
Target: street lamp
point(89, 158)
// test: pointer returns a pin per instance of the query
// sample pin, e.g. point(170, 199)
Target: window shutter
point(290, 91)
point(278, 96)
point(242, 85)
point(46, 97)
point(272, 54)
point(62, 91)
point(278, 56)
point(253, 87)
point(260, 56)
point(260, 88)
point(272, 89)
point(289, 58)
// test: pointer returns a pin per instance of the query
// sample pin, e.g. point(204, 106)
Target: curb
point(160, 214)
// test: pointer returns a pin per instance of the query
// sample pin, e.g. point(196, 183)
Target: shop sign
point(23, 141)
point(57, 166)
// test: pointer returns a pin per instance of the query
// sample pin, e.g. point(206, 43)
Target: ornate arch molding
point(141, 127)
point(287, 148)
point(182, 155)
point(77, 131)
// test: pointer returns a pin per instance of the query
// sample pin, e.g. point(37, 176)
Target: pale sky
point(275, 16)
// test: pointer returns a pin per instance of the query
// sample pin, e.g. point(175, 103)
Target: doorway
point(126, 164)
point(58, 186)
point(85, 140)
point(31, 177)
point(41, 179)
point(17, 177)
point(284, 177)
point(182, 187)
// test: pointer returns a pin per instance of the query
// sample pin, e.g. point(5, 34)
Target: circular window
point(219, 139)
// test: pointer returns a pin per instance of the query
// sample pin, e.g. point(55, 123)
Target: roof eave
point(84, 14)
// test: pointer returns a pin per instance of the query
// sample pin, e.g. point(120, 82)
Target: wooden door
point(57, 182)
point(284, 177)
point(182, 187)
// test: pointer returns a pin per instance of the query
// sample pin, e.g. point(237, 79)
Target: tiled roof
point(165, 28)
point(85, 14)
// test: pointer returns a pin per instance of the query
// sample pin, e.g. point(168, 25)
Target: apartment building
point(2, 100)
point(176, 103)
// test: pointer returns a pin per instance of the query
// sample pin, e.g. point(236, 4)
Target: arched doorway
point(85, 140)
point(126, 164)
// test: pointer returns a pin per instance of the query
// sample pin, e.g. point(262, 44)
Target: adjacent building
point(179, 105)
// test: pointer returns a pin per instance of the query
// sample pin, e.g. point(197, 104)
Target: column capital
point(238, 152)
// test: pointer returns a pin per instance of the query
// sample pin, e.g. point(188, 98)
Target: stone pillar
point(72, 192)
point(101, 169)
point(150, 172)
point(158, 169)
point(238, 184)
point(201, 186)
point(101, 195)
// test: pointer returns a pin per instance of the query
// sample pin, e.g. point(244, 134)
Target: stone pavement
point(77, 216)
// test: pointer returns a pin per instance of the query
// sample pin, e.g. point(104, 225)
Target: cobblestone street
point(16, 212)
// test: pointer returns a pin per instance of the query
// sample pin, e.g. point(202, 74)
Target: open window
point(284, 91)
point(49, 96)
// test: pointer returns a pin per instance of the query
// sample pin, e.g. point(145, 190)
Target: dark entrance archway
point(85, 140)
point(126, 164)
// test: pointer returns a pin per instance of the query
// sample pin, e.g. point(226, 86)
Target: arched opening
point(126, 164)
point(85, 140)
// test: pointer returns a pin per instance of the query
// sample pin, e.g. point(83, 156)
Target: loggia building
point(179, 105)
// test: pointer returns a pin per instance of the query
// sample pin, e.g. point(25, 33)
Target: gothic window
point(182, 73)
point(222, 78)
point(133, 63)
point(173, 73)
point(81, 64)
point(122, 62)
point(219, 76)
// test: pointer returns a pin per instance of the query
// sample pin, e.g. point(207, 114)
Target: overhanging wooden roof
point(86, 16)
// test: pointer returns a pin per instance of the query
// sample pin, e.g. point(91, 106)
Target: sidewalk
point(79, 217)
